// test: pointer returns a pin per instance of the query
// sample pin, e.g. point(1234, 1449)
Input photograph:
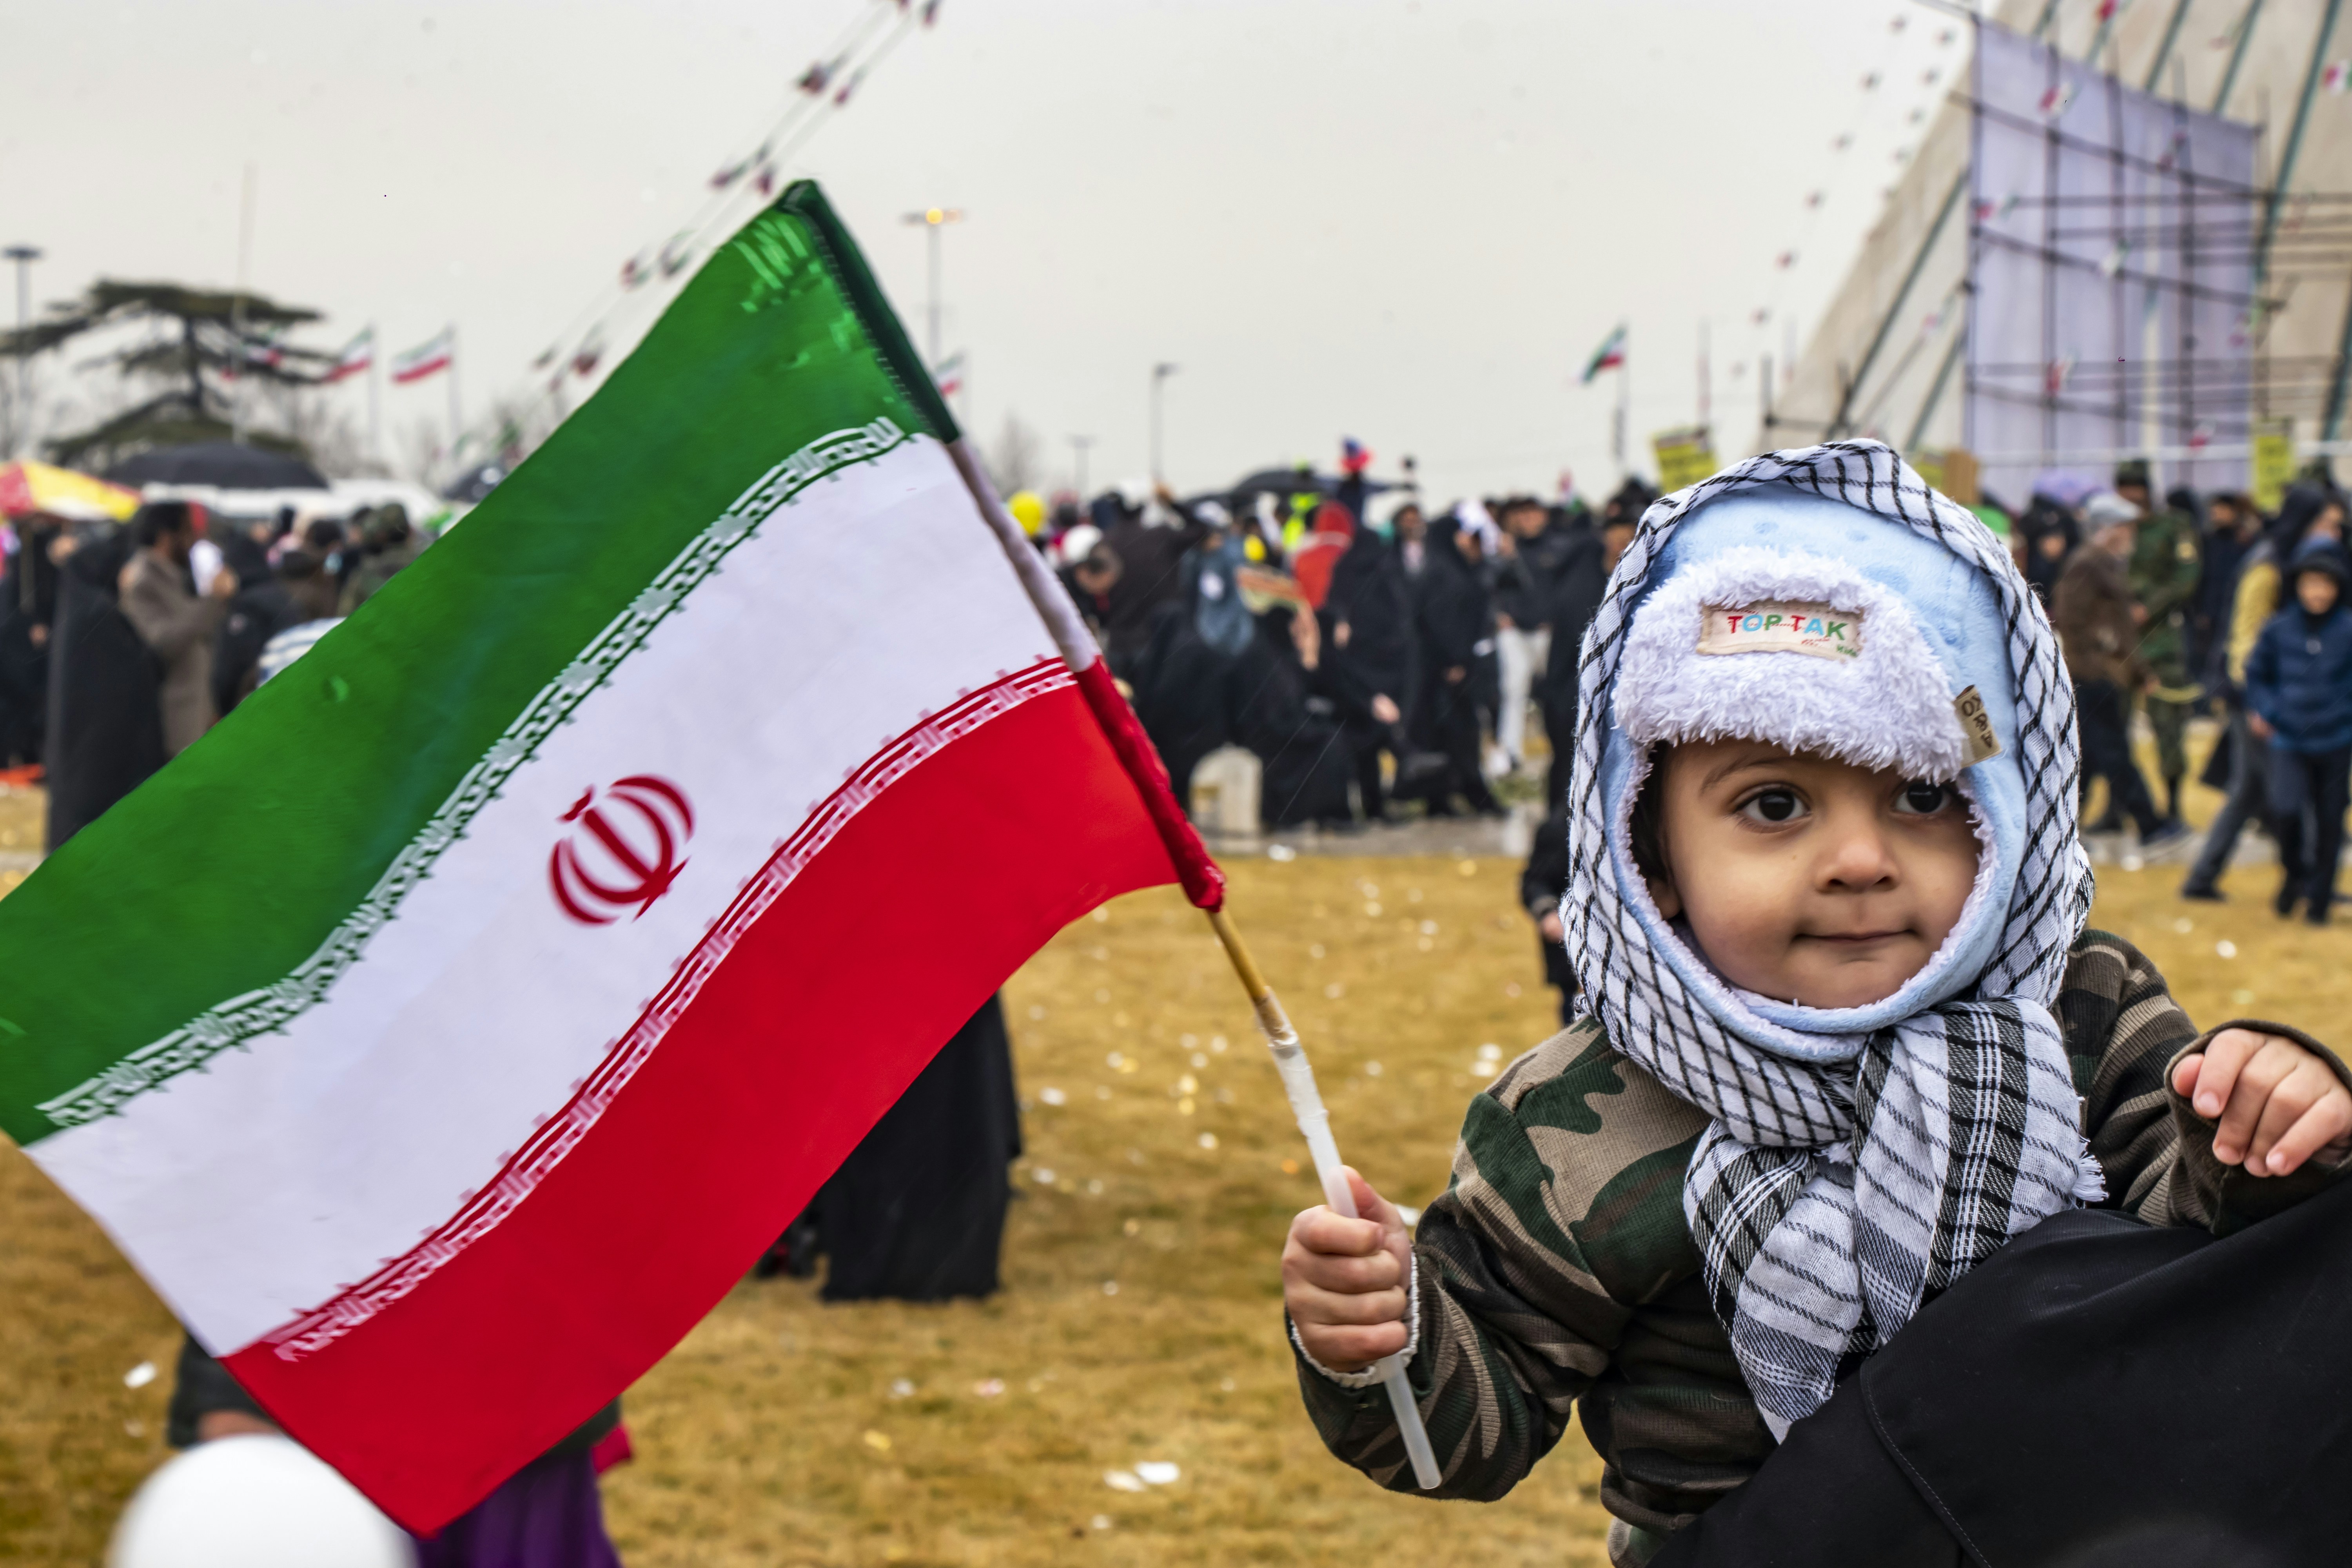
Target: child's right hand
point(1344, 1280)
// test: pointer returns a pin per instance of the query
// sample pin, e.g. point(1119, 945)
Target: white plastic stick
point(1315, 1122)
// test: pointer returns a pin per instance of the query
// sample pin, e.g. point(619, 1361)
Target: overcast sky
point(1409, 221)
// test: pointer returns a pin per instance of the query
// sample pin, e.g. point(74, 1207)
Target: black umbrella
point(230, 465)
point(1284, 483)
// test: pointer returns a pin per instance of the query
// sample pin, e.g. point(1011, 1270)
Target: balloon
point(254, 1501)
point(1028, 508)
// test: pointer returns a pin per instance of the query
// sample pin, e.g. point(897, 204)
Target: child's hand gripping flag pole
point(1204, 885)
point(448, 1031)
point(1315, 1122)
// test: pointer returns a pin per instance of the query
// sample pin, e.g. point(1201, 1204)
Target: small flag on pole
point(948, 374)
point(426, 358)
point(1608, 356)
point(357, 355)
point(519, 963)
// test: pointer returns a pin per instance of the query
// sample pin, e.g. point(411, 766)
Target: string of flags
point(828, 83)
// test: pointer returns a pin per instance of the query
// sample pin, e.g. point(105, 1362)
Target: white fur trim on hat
point(1890, 706)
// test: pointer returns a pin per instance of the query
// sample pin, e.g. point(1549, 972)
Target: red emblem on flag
point(624, 851)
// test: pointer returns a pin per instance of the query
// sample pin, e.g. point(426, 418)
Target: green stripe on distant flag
point(1611, 352)
point(333, 772)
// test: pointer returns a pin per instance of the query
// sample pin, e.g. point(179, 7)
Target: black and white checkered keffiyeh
point(1830, 1200)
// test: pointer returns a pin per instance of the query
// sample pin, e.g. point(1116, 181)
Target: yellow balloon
point(1028, 508)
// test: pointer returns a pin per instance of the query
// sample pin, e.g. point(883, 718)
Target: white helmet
point(254, 1501)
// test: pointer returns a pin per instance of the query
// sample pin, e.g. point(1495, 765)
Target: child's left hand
point(2278, 1105)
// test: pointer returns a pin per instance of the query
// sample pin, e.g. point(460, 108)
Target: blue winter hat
point(1865, 619)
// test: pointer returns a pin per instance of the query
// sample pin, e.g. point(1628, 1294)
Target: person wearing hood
point(1183, 677)
point(1368, 657)
point(388, 543)
point(2307, 512)
point(1847, 1037)
point(297, 590)
point(1454, 625)
point(2099, 624)
point(105, 711)
point(1589, 555)
point(1151, 539)
point(2299, 692)
point(2050, 534)
point(28, 606)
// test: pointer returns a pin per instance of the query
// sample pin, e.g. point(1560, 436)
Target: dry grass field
point(1141, 1318)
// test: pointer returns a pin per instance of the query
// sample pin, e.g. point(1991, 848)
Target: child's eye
point(1921, 798)
point(1772, 806)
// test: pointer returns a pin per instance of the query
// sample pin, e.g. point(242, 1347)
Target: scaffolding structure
point(2080, 270)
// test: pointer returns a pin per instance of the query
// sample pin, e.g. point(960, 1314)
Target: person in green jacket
point(2163, 572)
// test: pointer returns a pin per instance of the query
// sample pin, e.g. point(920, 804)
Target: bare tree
point(1017, 460)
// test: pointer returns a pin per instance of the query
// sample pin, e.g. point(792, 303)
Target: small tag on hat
point(1976, 728)
point(1779, 626)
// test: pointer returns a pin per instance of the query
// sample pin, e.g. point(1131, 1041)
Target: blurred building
point(2127, 308)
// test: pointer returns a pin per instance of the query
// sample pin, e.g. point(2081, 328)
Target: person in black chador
point(28, 608)
point(1452, 618)
point(1583, 578)
point(106, 714)
point(1541, 887)
point(917, 1212)
point(1284, 714)
point(1367, 658)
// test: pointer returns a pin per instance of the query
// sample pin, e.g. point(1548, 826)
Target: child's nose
point(1858, 859)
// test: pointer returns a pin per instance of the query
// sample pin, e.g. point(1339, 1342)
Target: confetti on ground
point(901, 1389)
point(1157, 1472)
point(2225, 949)
point(877, 1441)
point(1123, 1481)
point(1101, 1522)
point(989, 1387)
point(1053, 1096)
point(1208, 1140)
point(139, 1376)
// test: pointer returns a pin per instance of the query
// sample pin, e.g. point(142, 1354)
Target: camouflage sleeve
point(1520, 1308)
point(2124, 1032)
point(2170, 581)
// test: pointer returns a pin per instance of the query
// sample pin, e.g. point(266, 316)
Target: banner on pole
point(2274, 462)
point(1684, 456)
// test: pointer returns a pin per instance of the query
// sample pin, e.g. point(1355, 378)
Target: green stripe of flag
point(226, 873)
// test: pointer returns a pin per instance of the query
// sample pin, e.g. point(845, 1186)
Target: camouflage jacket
point(2163, 575)
point(1557, 1267)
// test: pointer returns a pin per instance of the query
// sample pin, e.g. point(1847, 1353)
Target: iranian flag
point(434, 353)
point(443, 1034)
point(357, 355)
point(1608, 356)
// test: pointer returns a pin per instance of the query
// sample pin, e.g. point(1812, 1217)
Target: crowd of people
point(1366, 651)
point(1371, 650)
point(122, 642)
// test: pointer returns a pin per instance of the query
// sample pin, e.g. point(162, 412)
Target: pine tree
point(199, 338)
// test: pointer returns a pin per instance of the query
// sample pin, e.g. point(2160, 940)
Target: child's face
point(2315, 591)
point(1806, 880)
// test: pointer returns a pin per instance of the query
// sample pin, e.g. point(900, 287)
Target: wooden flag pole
point(1204, 884)
point(1315, 1122)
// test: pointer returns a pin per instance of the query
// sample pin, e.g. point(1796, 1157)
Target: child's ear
point(1663, 894)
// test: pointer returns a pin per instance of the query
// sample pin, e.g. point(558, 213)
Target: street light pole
point(1160, 374)
point(934, 219)
point(1078, 445)
point(23, 256)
